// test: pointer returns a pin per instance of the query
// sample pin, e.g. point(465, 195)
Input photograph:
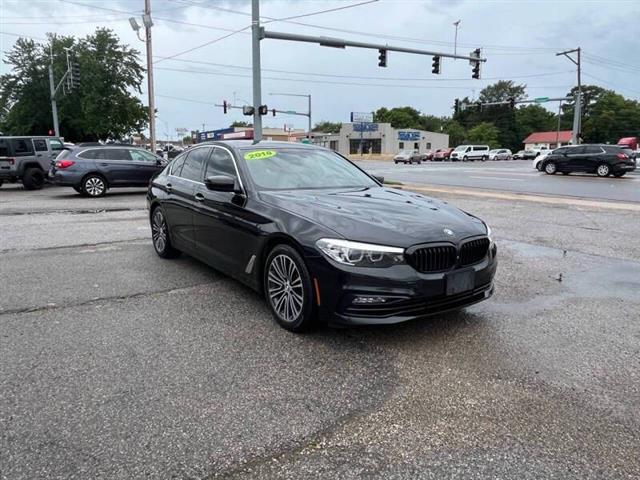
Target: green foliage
point(457, 133)
point(327, 127)
point(501, 91)
point(104, 106)
point(611, 118)
point(485, 133)
point(239, 123)
point(399, 117)
point(534, 118)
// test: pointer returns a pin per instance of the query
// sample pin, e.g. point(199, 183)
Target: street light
point(148, 23)
point(455, 42)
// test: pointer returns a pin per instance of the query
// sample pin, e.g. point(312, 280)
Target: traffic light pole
point(256, 36)
point(308, 96)
point(54, 105)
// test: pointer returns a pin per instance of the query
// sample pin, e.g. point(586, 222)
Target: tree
point(327, 127)
point(611, 117)
point(187, 140)
point(239, 123)
point(591, 94)
point(485, 133)
point(534, 118)
point(501, 91)
point(399, 117)
point(103, 107)
point(457, 133)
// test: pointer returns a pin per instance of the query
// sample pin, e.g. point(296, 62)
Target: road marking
point(500, 178)
point(547, 199)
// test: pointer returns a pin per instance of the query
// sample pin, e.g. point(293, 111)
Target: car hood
point(379, 215)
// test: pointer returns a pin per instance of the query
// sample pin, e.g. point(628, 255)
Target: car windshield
point(494, 151)
point(297, 168)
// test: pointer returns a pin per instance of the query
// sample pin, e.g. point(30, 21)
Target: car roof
point(12, 137)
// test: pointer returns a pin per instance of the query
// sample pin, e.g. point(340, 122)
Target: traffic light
point(382, 57)
point(263, 110)
point(247, 110)
point(475, 64)
point(225, 106)
point(512, 102)
point(75, 74)
point(456, 105)
point(273, 112)
point(435, 67)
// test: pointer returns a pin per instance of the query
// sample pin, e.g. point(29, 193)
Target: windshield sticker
point(259, 154)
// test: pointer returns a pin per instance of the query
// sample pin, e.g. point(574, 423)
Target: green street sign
point(541, 99)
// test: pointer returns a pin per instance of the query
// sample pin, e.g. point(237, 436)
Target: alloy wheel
point(550, 168)
point(94, 186)
point(285, 289)
point(603, 170)
point(159, 231)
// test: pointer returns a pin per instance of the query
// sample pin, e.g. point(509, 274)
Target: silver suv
point(27, 159)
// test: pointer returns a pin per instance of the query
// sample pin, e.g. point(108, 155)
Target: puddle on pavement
point(585, 275)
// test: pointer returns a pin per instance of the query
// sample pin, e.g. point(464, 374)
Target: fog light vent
point(368, 300)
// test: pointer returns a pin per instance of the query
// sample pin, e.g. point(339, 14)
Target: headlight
point(489, 232)
point(360, 254)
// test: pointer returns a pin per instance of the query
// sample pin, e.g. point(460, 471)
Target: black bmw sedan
point(319, 237)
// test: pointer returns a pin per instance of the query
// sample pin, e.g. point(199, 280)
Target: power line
point(304, 80)
point(321, 11)
point(368, 77)
point(203, 45)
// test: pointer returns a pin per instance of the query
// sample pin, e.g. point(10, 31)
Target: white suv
point(468, 153)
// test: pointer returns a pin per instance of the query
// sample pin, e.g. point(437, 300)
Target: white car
point(500, 154)
point(538, 160)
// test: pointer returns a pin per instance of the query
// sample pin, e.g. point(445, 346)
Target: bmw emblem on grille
point(448, 232)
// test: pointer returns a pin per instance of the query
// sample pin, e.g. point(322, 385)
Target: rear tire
point(550, 168)
point(160, 235)
point(94, 186)
point(603, 170)
point(33, 179)
point(288, 289)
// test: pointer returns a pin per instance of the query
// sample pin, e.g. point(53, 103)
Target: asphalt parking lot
point(118, 364)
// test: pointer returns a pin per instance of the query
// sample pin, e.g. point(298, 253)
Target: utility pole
point(577, 109)
point(256, 36)
point(54, 105)
point(152, 102)
point(559, 117)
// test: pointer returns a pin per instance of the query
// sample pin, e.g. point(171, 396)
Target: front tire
point(94, 186)
point(288, 289)
point(465, 159)
point(160, 236)
point(33, 179)
point(550, 168)
point(603, 170)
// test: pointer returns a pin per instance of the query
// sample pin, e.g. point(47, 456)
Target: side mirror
point(379, 178)
point(220, 183)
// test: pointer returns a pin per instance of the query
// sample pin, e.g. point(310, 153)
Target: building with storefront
point(553, 139)
point(379, 138)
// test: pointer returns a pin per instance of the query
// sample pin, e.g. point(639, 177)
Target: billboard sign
point(365, 127)
point(409, 136)
point(361, 117)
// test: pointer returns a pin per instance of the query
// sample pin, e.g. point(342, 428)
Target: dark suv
point(603, 160)
point(92, 170)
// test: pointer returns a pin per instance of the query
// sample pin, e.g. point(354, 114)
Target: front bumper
point(407, 293)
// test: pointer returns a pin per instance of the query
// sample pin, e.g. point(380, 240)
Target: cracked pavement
point(118, 364)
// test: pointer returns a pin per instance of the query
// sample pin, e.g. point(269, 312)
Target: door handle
point(199, 197)
point(169, 187)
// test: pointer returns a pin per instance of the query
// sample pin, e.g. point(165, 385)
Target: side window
point(176, 166)
point(40, 145)
point(22, 147)
point(142, 156)
point(428, 145)
point(401, 145)
point(577, 150)
point(220, 163)
point(416, 145)
point(117, 154)
point(192, 169)
point(56, 145)
point(5, 148)
point(593, 149)
point(89, 154)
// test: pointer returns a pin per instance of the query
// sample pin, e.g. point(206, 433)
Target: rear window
point(5, 148)
point(66, 153)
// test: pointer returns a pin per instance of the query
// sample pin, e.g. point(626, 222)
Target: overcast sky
point(519, 39)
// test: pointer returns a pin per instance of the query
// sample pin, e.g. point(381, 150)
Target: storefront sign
point(361, 117)
point(365, 127)
point(409, 136)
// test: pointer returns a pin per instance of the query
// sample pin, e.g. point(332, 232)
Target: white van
point(468, 153)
